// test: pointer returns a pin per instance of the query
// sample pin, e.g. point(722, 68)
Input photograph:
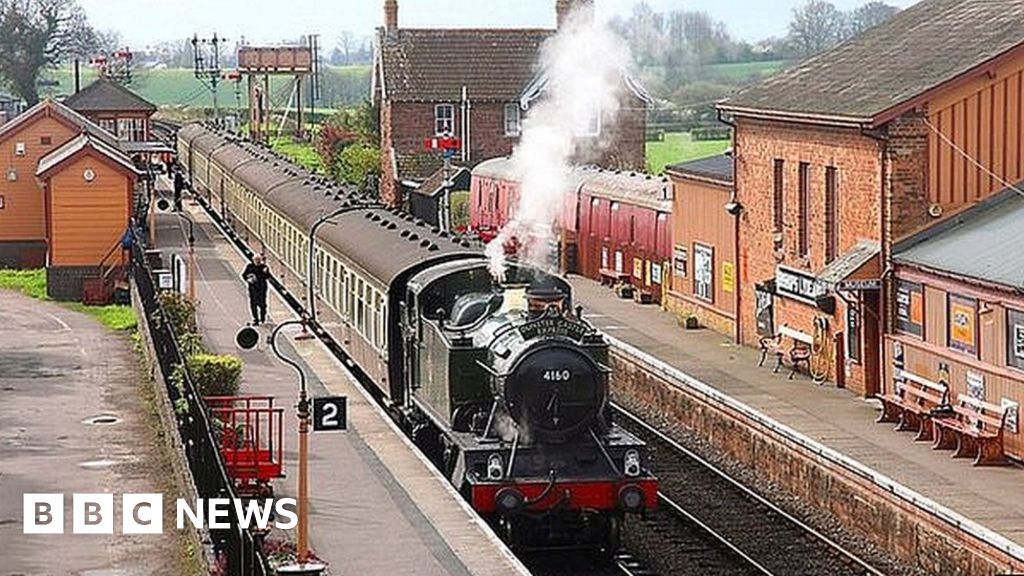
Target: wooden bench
point(799, 351)
point(610, 277)
point(973, 430)
point(910, 404)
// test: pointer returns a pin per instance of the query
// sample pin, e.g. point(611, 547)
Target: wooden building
point(848, 153)
point(959, 310)
point(703, 271)
point(23, 143)
point(114, 108)
point(477, 85)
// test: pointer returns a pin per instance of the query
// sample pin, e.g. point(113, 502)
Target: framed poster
point(728, 277)
point(910, 307)
point(963, 324)
point(1012, 410)
point(1015, 338)
point(703, 272)
point(679, 261)
point(976, 385)
point(765, 313)
point(638, 268)
point(604, 257)
point(618, 262)
point(656, 273)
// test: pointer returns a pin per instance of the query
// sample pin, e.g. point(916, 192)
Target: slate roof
point(105, 95)
point(719, 168)
point(432, 65)
point(919, 49)
point(458, 175)
point(982, 243)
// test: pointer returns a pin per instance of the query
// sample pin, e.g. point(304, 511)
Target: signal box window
point(444, 119)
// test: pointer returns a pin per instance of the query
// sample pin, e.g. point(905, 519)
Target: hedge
point(216, 374)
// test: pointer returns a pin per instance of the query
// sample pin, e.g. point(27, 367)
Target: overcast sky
point(143, 22)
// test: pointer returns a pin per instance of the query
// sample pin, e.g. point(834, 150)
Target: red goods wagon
point(624, 230)
point(493, 189)
point(250, 431)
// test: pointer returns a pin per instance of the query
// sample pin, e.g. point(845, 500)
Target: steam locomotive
point(503, 381)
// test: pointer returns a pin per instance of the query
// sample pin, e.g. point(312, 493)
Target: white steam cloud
point(583, 65)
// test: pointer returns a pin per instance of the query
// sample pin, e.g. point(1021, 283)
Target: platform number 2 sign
point(330, 413)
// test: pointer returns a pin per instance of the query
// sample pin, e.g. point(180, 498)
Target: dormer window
point(512, 120)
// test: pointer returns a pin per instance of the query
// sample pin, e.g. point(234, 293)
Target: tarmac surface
point(59, 370)
point(376, 508)
point(837, 418)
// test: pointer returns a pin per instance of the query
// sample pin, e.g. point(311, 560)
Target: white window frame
point(513, 117)
point(439, 119)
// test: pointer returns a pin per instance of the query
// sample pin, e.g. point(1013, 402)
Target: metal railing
point(236, 550)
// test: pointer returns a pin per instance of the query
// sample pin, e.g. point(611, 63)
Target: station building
point(843, 156)
point(65, 198)
point(114, 108)
point(959, 311)
point(477, 85)
point(704, 283)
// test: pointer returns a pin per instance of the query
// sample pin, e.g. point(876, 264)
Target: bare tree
point(346, 44)
point(36, 34)
point(817, 25)
point(870, 15)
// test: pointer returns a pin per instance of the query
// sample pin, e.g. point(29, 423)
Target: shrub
point(460, 208)
point(216, 374)
point(180, 312)
point(358, 161)
point(710, 134)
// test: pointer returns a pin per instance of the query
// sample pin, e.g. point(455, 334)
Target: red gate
point(251, 435)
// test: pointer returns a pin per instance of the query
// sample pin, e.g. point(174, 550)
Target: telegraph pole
point(206, 59)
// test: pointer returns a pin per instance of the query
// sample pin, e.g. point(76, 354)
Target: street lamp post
point(163, 204)
point(312, 268)
point(247, 339)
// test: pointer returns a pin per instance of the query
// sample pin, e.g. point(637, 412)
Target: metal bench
point(974, 429)
point(911, 403)
point(799, 351)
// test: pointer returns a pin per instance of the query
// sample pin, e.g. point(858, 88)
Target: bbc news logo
point(144, 513)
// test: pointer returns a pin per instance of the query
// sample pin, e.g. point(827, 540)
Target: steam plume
point(583, 65)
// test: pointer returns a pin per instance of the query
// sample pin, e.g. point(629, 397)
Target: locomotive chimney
point(391, 15)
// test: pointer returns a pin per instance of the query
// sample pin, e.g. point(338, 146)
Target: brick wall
point(27, 254)
point(863, 507)
point(907, 188)
point(857, 158)
point(388, 188)
point(66, 282)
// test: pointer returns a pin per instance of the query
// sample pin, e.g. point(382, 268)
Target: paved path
point(837, 418)
point(376, 507)
point(59, 368)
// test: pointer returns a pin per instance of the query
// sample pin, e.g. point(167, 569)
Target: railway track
point(743, 533)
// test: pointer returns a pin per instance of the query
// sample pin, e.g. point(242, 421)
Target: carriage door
point(410, 342)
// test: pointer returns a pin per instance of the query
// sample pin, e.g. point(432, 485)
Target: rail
point(235, 549)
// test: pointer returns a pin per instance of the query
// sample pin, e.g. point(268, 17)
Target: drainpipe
point(885, 293)
point(737, 280)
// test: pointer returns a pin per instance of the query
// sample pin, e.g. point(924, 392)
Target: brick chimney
point(390, 15)
point(563, 8)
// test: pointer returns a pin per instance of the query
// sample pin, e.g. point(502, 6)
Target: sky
point(143, 22)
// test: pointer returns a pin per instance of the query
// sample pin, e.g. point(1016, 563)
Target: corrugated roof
point(421, 65)
point(105, 95)
point(982, 243)
point(923, 47)
point(719, 168)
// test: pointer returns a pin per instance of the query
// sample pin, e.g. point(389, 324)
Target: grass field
point(342, 85)
point(678, 147)
point(302, 153)
point(33, 283)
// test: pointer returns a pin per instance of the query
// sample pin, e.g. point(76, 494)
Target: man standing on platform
point(256, 275)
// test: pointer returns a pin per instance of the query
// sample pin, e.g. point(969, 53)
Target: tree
point(36, 34)
point(870, 15)
point(817, 25)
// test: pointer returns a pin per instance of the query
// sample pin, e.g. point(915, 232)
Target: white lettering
point(195, 517)
point(253, 509)
point(218, 508)
point(282, 511)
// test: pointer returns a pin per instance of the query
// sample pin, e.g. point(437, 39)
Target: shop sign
point(798, 285)
point(860, 285)
point(728, 277)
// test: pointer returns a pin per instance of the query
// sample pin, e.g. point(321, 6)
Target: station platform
point(377, 507)
point(834, 418)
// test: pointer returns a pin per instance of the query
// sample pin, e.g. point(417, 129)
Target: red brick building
point(475, 84)
point(847, 153)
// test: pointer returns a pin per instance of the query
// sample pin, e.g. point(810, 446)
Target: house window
point(910, 308)
point(703, 272)
point(805, 209)
point(831, 216)
point(444, 119)
point(45, 140)
point(962, 314)
point(853, 333)
point(779, 189)
point(512, 120)
point(1015, 338)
